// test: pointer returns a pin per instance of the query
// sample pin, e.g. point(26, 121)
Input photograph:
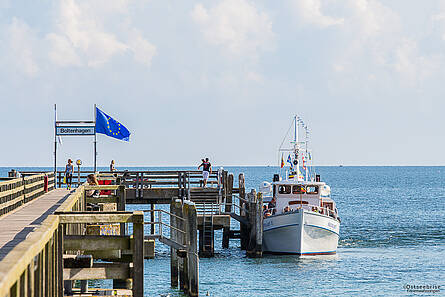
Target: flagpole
point(95, 140)
point(55, 141)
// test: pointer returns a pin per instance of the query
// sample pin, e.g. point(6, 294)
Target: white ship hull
point(300, 232)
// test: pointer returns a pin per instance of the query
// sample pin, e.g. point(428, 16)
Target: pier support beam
point(228, 209)
point(121, 205)
point(138, 254)
point(182, 261)
point(255, 248)
point(244, 232)
point(176, 210)
point(192, 248)
point(152, 218)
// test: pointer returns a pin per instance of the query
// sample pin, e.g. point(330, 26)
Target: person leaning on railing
point(92, 181)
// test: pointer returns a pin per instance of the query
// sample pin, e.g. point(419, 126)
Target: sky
point(223, 78)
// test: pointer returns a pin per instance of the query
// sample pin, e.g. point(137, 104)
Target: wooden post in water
point(121, 205)
point(192, 248)
point(138, 254)
point(182, 261)
point(186, 242)
point(254, 248)
point(258, 252)
point(244, 233)
point(176, 210)
point(228, 209)
point(152, 218)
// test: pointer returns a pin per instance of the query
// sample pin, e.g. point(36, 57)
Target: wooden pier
point(55, 236)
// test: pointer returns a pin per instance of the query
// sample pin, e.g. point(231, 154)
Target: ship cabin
point(312, 196)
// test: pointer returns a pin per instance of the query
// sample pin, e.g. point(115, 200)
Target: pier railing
point(18, 191)
point(147, 179)
point(35, 267)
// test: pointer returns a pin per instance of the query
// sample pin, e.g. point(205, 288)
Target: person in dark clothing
point(206, 170)
point(69, 169)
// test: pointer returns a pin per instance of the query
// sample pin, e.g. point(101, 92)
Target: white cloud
point(62, 51)
point(370, 18)
point(310, 12)
point(21, 42)
point(143, 50)
point(411, 65)
point(84, 37)
point(79, 31)
point(236, 25)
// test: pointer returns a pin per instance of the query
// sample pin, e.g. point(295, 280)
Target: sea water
point(392, 236)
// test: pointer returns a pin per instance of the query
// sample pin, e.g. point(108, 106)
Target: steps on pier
point(204, 195)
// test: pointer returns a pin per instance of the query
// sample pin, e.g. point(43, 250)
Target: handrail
point(160, 222)
point(164, 211)
point(21, 259)
point(324, 209)
point(20, 190)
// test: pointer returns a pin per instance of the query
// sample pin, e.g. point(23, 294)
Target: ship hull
point(300, 232)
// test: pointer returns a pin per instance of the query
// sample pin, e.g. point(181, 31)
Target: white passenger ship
point(301, 217)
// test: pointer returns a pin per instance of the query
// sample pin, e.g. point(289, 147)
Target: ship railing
point(314, 208)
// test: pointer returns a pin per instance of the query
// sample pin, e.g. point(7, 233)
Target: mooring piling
point(228, 209)
point(255, 213)
point(190, 216)
point(175, 222)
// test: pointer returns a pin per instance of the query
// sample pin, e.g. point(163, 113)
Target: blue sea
point(392, 236)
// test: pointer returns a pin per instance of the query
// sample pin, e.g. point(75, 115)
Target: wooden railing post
point(60, 234)
point(30, 281)
point(138, 254)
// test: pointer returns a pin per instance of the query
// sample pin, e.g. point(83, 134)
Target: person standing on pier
point(112, 168)
point(206, 170)
point(69, 168)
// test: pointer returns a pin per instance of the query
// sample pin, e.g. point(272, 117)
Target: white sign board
point(70, 130)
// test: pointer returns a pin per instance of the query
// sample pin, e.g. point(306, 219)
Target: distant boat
point(340, 165)
point(304, 219)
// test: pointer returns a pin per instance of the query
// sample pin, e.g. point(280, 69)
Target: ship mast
point(296, 147)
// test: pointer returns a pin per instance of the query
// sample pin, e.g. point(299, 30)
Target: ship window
point(284, 189)
point(312, 189)
point(298, 189)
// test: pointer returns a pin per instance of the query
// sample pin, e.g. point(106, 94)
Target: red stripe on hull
point(299, 254)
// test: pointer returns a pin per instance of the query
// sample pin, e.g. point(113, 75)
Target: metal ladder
point(207, 229)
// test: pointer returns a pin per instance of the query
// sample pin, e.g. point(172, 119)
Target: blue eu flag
point(109, 126)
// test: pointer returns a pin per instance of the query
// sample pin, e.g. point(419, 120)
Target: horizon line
point(218, 166)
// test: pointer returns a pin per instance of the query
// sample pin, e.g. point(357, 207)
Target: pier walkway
point(51, 237)
point(17, 225)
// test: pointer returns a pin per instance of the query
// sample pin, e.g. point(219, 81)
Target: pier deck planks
point(16, 226)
